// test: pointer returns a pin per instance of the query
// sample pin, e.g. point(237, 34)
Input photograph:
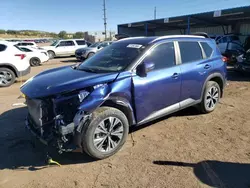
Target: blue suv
point(93, 104)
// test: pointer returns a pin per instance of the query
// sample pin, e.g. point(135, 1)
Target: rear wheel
point(34, 61)
point(211, 97)
point(106, 133)
point(51, 54)
point(7, 77)
point(90, 54)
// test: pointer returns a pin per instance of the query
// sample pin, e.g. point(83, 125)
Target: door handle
point(207, 66)
point(175, 75)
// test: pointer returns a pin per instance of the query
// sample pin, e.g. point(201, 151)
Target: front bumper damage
point(56, 131)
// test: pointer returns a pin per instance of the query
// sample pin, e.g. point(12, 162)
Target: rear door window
point(190, 51)
point(2, 47)
point(80, 42)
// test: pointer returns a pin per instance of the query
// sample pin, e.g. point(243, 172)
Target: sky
point(87, 15)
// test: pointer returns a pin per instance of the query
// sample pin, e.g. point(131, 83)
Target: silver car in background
point(84, 53)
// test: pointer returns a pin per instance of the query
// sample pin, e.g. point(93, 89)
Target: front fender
point(95, 99)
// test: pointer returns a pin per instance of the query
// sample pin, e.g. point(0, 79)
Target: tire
point(7, 77)
point(93, 132)
point(211, 97)
point(34, 61)
point(51, 54)
point(90, 54)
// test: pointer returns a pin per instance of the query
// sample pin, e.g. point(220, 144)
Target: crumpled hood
point(63, 79)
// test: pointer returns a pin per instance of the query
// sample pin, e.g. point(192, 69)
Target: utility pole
point(110, 35)
point(155, 14)
point(105, 19)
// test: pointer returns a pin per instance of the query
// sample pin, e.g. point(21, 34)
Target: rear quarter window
point(190, 51)
point(207, 49)
point(80, 42)
point(2, 47)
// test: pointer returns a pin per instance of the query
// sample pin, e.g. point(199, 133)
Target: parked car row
point(87, 52)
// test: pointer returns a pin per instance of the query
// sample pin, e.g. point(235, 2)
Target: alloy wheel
point(108, 134)
point(212, 97)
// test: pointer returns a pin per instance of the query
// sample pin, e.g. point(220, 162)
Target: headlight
point(82, 95)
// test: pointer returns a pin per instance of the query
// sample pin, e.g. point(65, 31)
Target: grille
point(41, 114)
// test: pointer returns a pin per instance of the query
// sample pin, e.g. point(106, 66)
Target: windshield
point(54, 43)
point(113, 58)
point(95, 44)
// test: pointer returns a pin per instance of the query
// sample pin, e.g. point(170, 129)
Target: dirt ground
point(186, 149)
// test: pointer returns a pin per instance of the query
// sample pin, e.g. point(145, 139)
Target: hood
point(63, 79)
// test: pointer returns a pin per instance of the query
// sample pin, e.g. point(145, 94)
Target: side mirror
point(144, 68)
point(99, 47)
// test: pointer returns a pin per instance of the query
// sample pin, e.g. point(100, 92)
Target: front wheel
point(90, 54)
point(211, 97)
point(106, 133)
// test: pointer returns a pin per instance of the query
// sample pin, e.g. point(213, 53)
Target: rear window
point(190, 51)
point(2, 47)
point(26, 50)
point(80, 42)
point(207, 49)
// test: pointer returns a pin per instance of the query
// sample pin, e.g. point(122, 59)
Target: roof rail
point(176, 36)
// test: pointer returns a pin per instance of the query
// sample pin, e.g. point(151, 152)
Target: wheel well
point(219, 81)
point(122, 108)
point(9, 67)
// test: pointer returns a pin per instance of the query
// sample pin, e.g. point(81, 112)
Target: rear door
point(196, 65)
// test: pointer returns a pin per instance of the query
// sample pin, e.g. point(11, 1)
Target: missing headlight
point(82, 95)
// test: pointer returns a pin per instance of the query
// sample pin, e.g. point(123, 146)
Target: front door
point(158, 93)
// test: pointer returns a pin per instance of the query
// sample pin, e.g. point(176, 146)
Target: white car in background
point(36, 55)
point(13, 63)
point(23, 43)
point(65, 47)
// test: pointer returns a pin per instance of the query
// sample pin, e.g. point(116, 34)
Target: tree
point(78, 35)
point(11, 32)
point(62, 34)
point(2, 31)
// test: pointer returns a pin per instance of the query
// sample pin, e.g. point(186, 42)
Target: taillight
point(22, 56)
point(224, 59)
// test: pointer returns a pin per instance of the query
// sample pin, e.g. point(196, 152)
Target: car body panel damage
point(71, 114)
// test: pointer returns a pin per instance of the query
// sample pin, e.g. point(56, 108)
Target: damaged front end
point(58, 120)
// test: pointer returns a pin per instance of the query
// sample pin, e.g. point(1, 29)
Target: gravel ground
point(186, 149)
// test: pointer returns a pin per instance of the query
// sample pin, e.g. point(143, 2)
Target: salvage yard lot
point(186, 149)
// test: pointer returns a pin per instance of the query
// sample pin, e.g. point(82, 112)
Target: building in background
point(219, 22)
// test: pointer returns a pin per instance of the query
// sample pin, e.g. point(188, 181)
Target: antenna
point(105, 19)
point(155, 14)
